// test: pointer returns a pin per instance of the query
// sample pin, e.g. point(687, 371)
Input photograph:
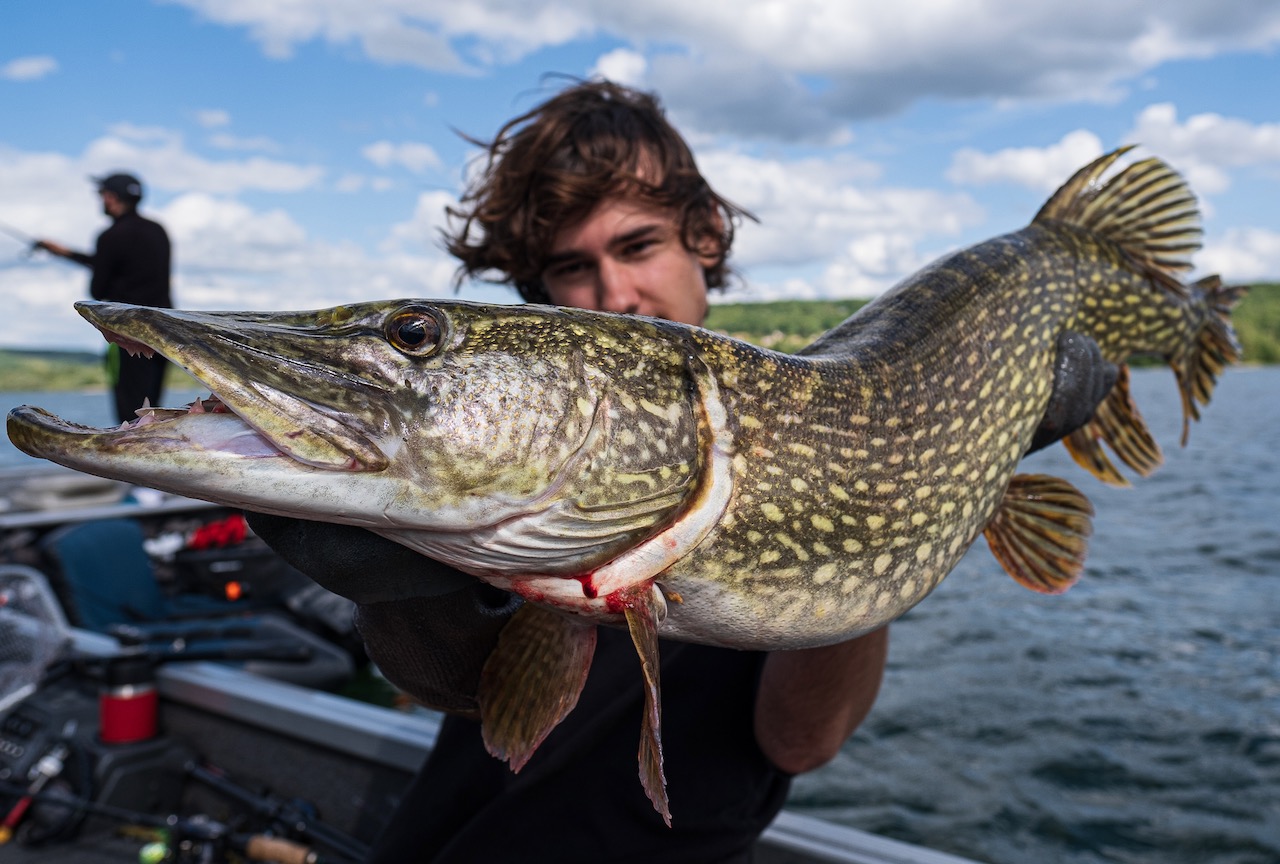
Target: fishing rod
point(194, 838)
point(20, 236)
point(25, 239)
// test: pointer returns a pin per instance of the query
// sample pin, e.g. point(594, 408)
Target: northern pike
point(640, 473)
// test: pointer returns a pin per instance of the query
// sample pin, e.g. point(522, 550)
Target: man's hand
point(1082, 378)
point(429, 628)
point(52, 248)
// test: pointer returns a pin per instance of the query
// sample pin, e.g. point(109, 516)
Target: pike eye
point(414, 331)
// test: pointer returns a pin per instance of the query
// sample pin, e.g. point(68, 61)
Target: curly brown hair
point(549, 168)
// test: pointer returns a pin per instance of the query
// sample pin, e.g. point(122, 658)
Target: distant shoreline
point(783, 325)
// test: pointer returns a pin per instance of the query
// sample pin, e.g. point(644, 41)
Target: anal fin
point(642, 621)
point(1118, 424)
point(1040, 532)
point(532, 680)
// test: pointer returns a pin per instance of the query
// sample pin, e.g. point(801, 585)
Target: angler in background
point(592, 200)
point(130, 264)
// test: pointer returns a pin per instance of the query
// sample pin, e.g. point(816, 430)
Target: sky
point(301, 153)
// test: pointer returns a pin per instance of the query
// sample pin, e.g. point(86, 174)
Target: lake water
point(1135, 719)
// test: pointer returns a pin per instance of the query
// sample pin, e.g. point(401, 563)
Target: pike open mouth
point(254, 410)
point(205, 425)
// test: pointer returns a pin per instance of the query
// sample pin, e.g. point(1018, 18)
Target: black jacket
point(131, 263)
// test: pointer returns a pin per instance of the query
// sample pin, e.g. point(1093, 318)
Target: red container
point(128, 703)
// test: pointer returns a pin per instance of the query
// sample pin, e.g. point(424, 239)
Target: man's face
point(627, 256)
point(112, 204)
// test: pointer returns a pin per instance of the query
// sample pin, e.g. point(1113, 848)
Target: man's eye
point(639, 247)
point(567, 270)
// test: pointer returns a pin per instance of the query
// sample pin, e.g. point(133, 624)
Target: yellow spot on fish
point(825, 574)
point(822, 523)
point(882, 563)
point(771, 512)
point(875, 523)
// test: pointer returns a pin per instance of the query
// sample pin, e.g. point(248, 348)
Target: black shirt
point(130, 263)
point(579, 798)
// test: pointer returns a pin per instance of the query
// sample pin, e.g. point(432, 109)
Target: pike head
point(506, 441)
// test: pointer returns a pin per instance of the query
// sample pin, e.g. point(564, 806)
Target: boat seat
point(106, 583)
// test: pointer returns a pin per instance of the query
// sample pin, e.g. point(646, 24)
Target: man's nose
point(618, 289)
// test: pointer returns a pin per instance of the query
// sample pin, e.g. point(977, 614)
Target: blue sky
point(301, 153)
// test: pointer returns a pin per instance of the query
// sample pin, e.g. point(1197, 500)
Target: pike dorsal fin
point(1118, 423)
point(532, 680)
point(1147, 209)
point(1040, 532)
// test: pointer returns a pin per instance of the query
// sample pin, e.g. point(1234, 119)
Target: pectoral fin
point(532, 680)
point(1039, 533)
point(642, 620)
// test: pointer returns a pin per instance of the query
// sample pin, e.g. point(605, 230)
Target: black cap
point(124, 185)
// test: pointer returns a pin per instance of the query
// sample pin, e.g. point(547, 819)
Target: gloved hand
point(356, 563)
point(428, 627)
point(1082, 378)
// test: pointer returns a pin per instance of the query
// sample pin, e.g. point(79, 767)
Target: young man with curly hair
point(592, 200)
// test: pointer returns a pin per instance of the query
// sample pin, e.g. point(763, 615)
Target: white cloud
point(832, 221)
point(623, 66)
point(1040, 168)
point(815, 64)
point(213, 118)
point(414, 156)
point(1205, 146)
point(160, 157)
point(1242, 255)
point(227, 254)
point(227, 141)
point(28, 68)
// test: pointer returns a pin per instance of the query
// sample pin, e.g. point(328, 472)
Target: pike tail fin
point(532, 680)
point(1214, 348)
point(1150, 213)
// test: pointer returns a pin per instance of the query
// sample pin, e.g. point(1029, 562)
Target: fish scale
point(649, 475)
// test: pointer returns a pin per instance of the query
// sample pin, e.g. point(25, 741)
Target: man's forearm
point(811, 700)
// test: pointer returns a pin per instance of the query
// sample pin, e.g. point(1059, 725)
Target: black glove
point(428, 627)
point(433, 648)
point(1081, 380)
point(354, 562)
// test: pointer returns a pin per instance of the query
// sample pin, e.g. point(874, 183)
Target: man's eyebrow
point(638, 233)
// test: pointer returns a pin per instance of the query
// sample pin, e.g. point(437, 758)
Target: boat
point(234, 764)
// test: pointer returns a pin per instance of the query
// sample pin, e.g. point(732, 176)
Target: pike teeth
point(212, 405)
